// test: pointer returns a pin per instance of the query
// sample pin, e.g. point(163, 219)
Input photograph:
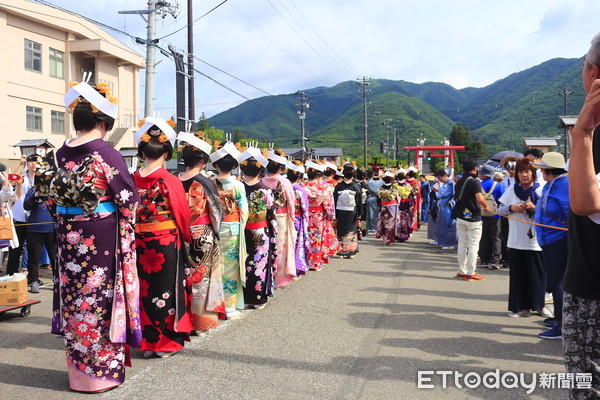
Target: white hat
point(162, 125)
point(253, 152)
point(331, 166)
point(387, 173)
point(315, 166)
point(84, 90)
point(339, 173)
point(195, 141)
point(298, 168)
point(278, 159)
point(552, 160)
point(413, 169)
point(228, 148)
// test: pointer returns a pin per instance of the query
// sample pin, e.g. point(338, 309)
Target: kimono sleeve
point(125, 308)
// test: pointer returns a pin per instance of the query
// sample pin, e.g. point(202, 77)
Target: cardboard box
point(13, 293)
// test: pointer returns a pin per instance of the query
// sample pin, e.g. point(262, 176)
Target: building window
point(34, 119)
point(56, 63)
point(33, 56)
point(57, 122)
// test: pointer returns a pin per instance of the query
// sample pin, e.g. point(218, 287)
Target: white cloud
point(462, 43)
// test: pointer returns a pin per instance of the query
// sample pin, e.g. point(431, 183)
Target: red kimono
point(162, 227)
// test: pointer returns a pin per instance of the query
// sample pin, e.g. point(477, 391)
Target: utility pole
point(396, 147)
point(180, 96)
point(364, 83)
point(155, 8)
point(566, 93)
point(302, 114)
point(190, 32)
point(386, 122)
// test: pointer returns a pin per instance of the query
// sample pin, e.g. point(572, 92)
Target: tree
point(214, 134)
point(238, 136)
point(202, 124)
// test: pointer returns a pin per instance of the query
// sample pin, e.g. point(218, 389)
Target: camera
point(14, 177)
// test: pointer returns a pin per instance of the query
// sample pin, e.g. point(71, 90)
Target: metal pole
point(150, 50)
point(387, 146)
point(365, 119)
point(191, 102)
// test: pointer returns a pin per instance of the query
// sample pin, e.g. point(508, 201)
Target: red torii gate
point(419, 155)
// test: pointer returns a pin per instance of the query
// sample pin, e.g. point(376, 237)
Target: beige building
point(43, 50)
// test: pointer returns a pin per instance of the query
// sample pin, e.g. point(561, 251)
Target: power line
point(281, 48)
point(320, 37)
point(196, 20)
point(304, 39)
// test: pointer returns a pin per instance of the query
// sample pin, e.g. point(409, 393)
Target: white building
point(43, 50)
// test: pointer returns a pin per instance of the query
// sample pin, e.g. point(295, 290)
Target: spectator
point(490, 246)
point(535, 156)
point(374, 184)
point(581, 306)
point(552, 210)
point(469, 203)
point(19, 214)
point(527, 282)
point(425, 190)
point(41, 232)
point(446, 225)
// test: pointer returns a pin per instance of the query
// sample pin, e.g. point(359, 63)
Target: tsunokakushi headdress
point(164, 133)
point(97, 97)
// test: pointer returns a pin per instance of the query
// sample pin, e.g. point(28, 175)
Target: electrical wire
point(196, 20)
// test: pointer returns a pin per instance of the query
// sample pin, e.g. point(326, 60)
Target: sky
point(282, 46)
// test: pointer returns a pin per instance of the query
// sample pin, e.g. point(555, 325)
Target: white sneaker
point(448, 248)
point(433, 242)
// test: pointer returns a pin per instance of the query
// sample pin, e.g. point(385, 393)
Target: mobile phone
point(14, 177)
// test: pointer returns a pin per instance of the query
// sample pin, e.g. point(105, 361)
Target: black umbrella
point(505, 153)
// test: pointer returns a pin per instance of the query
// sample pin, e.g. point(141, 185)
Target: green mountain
point(526, 103)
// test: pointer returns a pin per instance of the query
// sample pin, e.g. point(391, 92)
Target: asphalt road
point(359, 329)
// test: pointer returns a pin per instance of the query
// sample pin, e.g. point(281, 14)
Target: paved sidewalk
point(359, 329)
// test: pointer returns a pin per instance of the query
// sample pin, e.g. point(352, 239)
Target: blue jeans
point(372, 213)
point(424, 213)
point(554, 257)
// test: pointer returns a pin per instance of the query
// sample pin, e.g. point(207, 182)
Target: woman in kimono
point(348, 210)
point(163, 225)
point(231, 236)
point(96, 292)
point(330, 240)
point(204, 253)
point(389, 215)
point(285, 204)
point(405, 207)
point(295, 173)
point(319, 210)
point(260, 231)
point(415, 209)
point(446, 225)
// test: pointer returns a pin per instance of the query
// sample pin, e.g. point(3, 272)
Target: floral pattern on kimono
point(316, 193)
point(96, 292)
point(301, 226)
point(232, 241)
point(285, 200)
point(260, 234)
point(165, 295)
point(204, 253)
point(330, 239)
point(388, 225)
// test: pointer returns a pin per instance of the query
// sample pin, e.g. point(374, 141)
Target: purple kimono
point(301, 225)
point(96, 299)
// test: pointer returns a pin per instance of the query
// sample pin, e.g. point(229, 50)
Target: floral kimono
point(260, 232)
point(162, 228)
point(285, 204)
point(415, 206)
point(389, 216)
point(96, 292)
point(330, 239)
point(232, 241)
point(319, 211)
point(301, 226)
point(204, 253)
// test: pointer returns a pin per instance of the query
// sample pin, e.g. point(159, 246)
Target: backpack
point(491, 202)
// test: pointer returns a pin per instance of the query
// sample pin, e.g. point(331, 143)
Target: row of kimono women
point(399, 201)
point(144, 260)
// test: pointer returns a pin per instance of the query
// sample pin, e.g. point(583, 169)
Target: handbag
point(6, 231)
